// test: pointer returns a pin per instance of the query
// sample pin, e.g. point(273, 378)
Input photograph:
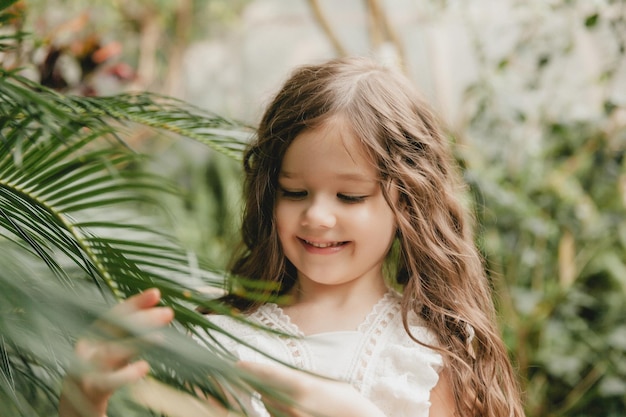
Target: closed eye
point(292, 194)
point(347, 198)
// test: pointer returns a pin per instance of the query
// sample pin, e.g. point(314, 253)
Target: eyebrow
point(347, 176)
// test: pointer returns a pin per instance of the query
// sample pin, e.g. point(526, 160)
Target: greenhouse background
point(533, 93)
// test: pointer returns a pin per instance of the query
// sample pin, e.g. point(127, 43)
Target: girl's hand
point(312, 396)
point(106, 365)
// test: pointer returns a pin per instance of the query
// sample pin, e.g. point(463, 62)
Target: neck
point(361, 293)
point(320, 308)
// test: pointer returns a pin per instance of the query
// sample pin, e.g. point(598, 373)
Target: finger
point(101, 356)
point(109, 325)
point(111, 356)
point(148, 298)
point(105, 383)
point(151, 318)
point(143, 323)
point(120, 323)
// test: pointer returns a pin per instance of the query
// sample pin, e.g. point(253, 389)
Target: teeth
point(323, 245)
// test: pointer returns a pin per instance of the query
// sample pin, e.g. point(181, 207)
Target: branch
point(325, 25)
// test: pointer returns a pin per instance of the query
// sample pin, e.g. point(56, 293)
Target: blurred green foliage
point(554, 236)
point(549, 186)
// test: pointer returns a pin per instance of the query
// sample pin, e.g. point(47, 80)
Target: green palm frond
point(69, 246)
point(52, 175)
point(72, 241)
point(38, 320)
point(167, 113)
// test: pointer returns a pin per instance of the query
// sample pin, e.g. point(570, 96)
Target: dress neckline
point(288, 326)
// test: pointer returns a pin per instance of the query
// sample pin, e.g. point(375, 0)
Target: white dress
point(379, 358)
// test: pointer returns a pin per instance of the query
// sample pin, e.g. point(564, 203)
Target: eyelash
point(351, 198)
point(298, 195)
point(292, 195)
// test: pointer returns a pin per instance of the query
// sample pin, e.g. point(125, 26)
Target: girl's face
point(333, 221)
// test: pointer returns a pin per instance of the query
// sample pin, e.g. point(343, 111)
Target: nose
point(319, 213)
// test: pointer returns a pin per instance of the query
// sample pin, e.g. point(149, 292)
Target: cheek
point(384, 208)
point(377, 221)
point(387, 222)
point(282, 220)
point(280, 215)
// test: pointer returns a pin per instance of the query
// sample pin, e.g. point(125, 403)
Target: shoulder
point(416, 330)
point(393, 335)
point(406, 366)
point(414, 340)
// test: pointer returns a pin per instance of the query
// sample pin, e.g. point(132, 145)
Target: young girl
point(352, 211)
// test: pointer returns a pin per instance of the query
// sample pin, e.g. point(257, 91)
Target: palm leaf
point(68, 185)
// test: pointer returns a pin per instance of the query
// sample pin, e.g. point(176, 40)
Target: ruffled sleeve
point(405, 374)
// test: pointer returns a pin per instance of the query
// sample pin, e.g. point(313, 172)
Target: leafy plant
point(549, 189)
point(70, 244)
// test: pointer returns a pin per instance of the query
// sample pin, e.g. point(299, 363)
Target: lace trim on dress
point(375, 324)
point(373, 316)
point(273, 317)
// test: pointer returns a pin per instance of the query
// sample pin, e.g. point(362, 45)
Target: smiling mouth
point(324, 245)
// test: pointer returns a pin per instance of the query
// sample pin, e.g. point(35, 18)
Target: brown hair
point(438, 266)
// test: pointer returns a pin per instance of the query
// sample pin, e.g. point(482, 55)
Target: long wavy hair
point(438, 267)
